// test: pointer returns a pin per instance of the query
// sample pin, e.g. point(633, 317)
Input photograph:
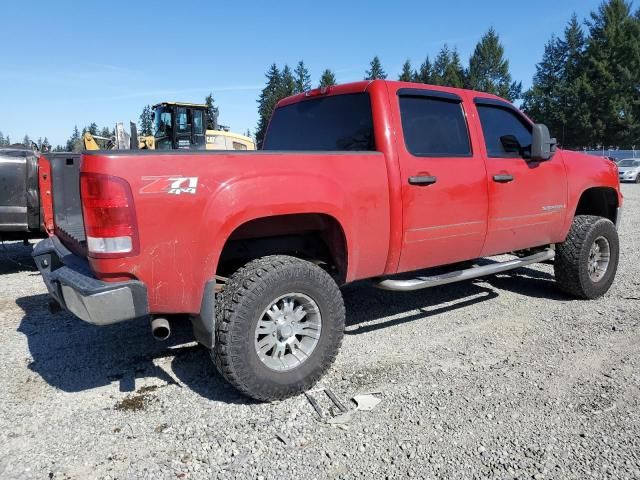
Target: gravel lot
point(498, 378)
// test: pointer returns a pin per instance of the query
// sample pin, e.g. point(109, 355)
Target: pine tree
point(407, 74)
point(454, 75)
point(327, 78)
point(375, 70)
point(74, 142)
point(26, 141)
point(302, 79)
point(612, 69)
point(145, 124)
point(212, 113)
point(106, 133)
point(489, 70)
point(425, 73)
point(287, 83)
point(267, 101)
point(2, 140)
point(7, 140)
point(45, 146)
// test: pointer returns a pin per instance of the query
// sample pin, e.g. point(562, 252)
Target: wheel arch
point(599, 201)
point(314, 236)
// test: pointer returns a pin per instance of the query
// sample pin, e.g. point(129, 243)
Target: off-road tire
point(572, 257)
point(247, 293)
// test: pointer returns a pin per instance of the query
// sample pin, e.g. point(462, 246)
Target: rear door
point(527, 200)
point(444, 183)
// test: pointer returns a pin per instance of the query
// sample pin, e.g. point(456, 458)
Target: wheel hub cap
point(288, 331)
point(599, 256)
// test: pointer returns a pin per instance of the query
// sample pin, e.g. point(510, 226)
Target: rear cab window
point(332, 123)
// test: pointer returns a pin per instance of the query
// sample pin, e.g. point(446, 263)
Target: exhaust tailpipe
point(160, 328)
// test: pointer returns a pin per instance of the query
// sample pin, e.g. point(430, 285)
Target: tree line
point(487, 70)
point(42, 143)
point(586, 87)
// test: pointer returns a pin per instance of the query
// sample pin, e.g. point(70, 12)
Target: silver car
point(629, 170)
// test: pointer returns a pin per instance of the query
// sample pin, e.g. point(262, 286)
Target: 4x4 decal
point(172, 184)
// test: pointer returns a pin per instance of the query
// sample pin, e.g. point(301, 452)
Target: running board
point(460, 275)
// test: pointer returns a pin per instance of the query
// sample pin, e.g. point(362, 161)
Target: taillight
point(109, 216)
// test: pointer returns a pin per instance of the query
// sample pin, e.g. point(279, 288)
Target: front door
point(444, 184)
point(527, 200)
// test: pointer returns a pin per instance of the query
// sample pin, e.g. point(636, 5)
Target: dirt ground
point(502, 377)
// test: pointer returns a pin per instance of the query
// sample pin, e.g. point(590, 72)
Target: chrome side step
point(467, 274)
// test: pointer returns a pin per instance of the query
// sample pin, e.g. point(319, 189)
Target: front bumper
point(71, 283)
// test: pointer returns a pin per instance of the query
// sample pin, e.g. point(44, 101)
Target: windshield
point(163, 121)
point(341, 122)
point(629, 163)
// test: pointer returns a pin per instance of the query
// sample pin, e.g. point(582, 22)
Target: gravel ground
point(498, 378)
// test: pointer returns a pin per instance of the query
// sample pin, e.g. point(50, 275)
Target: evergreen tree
point(26, 141)
point(92, 128)
point(327, 79)
point(447, 69)
point(2, 140)
point(542, 102)
point(7, 140)
point(454, 75)
point(612, 69)
point(302, 79)
point(212, 113)
point(267, 101)
point(375, 70)
point(489, 70)
point(407, 74)
point(145, 124)
point(287, 83)
point(74, 142)
point(45, 146)
point(425, 73)
point(105, 132)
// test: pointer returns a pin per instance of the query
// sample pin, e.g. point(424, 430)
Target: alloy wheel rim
point(288, 331)
point(599, 257)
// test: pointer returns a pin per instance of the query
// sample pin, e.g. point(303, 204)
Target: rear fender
point(234, 204)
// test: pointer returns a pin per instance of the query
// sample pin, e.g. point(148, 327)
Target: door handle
point(422, 180)
point(503, 178)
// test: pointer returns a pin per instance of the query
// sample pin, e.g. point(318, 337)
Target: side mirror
point(542, 145)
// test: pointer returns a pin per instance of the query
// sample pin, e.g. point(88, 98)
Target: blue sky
point(66, 63)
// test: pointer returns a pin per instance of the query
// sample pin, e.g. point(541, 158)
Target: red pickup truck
point(358, 181)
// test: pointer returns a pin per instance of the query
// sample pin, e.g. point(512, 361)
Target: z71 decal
point(171, 184)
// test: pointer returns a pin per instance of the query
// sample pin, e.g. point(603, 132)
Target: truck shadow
point(367, 305)
point(74, 356)
point(16, 257)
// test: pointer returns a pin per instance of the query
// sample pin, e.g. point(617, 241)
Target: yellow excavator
point(177, 126)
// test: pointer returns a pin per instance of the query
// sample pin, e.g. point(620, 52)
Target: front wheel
point(586, 262)
point(279, 326)
point(638, 178)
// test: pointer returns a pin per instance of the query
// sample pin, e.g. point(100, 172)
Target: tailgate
point(19, 207)
point(67, 210)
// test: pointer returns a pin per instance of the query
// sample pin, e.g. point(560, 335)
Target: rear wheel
point(638, 178)
point(279, 325)
point(586, 262)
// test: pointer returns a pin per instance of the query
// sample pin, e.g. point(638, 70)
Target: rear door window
point(434, 127)
point(334, 123)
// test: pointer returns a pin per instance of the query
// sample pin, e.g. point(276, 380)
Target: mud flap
point(204, 325)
